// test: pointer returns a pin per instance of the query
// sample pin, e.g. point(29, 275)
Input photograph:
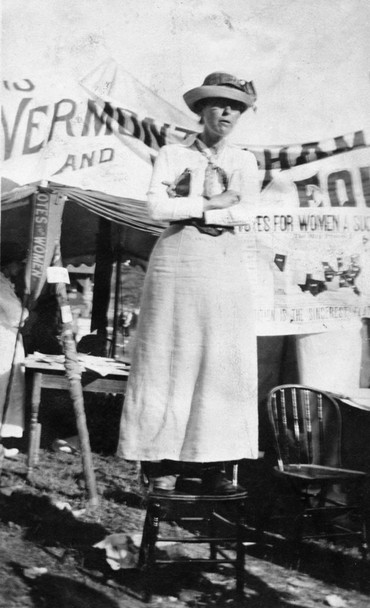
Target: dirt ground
point(47, 538)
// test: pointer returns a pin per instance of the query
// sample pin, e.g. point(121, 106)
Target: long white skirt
point(13, 425)
point(192, 390)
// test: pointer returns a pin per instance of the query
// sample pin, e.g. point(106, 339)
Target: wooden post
point(117, 293)
point(73, 374)
point(102, 279)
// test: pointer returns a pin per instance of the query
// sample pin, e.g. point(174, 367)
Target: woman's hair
point(199, 105)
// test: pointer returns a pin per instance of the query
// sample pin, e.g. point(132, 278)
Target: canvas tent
point(53, 131)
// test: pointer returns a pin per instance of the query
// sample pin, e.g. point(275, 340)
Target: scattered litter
point(335, 601)
point(8, 490)
point(191, 596)
point(34, 572)
point(300, 582)
point(121, 551)
point(136, 538)
point(58, 552)
point(71, 445)
point(250, 592)
point(79, 512)
point(63, 506)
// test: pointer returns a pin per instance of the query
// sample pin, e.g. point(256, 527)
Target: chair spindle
point(296, 422)
point(307, 411)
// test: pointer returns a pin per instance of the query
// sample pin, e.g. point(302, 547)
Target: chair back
point(306, 424)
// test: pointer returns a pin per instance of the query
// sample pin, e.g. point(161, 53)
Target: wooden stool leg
point(209, 510)
point(212, 534)
point(151, 536)
point(239, 564)
point(144, 544)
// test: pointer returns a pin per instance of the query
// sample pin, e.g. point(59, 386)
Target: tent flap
point(128, 212)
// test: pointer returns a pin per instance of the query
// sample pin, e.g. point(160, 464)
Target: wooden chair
point(306, 426)
point(205, 513)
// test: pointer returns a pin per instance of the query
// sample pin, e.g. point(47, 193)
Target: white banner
point(57, 129)
point(312, 268)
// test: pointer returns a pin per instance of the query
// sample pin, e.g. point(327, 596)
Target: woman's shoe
point(165, 483)
point(215, 482)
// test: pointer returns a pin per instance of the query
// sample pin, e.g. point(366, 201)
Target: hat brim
point(211, 91)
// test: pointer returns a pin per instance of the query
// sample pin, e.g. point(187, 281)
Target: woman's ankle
point(158, 468)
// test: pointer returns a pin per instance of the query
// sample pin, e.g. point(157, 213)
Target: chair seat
point(195, 497)
point(315, 472)
point(207, 513)
point(189, 489)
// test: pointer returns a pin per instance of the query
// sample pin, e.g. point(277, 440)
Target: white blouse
point(239, 165)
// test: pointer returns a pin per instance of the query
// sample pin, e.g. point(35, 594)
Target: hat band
point(218, 91)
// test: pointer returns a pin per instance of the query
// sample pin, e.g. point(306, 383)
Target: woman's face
point(219, 116)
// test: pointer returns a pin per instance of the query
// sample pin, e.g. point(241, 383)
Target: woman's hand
point(222, 201)
point(171, 189)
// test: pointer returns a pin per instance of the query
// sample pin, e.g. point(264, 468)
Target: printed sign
point(312, 268)
point(45, 234)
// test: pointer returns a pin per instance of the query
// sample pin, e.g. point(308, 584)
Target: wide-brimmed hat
point(226, 86)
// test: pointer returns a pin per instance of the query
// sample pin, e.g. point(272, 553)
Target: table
point(99, 375)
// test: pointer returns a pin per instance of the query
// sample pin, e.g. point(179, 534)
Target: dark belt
point(211, 229)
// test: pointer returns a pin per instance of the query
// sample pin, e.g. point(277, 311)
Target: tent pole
point(102, 280)
point(117, 293)
point(73, 374)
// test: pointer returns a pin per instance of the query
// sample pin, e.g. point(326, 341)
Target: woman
point(192, 395)
point(12, 316)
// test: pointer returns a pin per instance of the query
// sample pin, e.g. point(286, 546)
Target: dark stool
point(192, 506)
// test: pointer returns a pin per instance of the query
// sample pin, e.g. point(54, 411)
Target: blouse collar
point(213, 150)
point(193, 140)
point(190, 140)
